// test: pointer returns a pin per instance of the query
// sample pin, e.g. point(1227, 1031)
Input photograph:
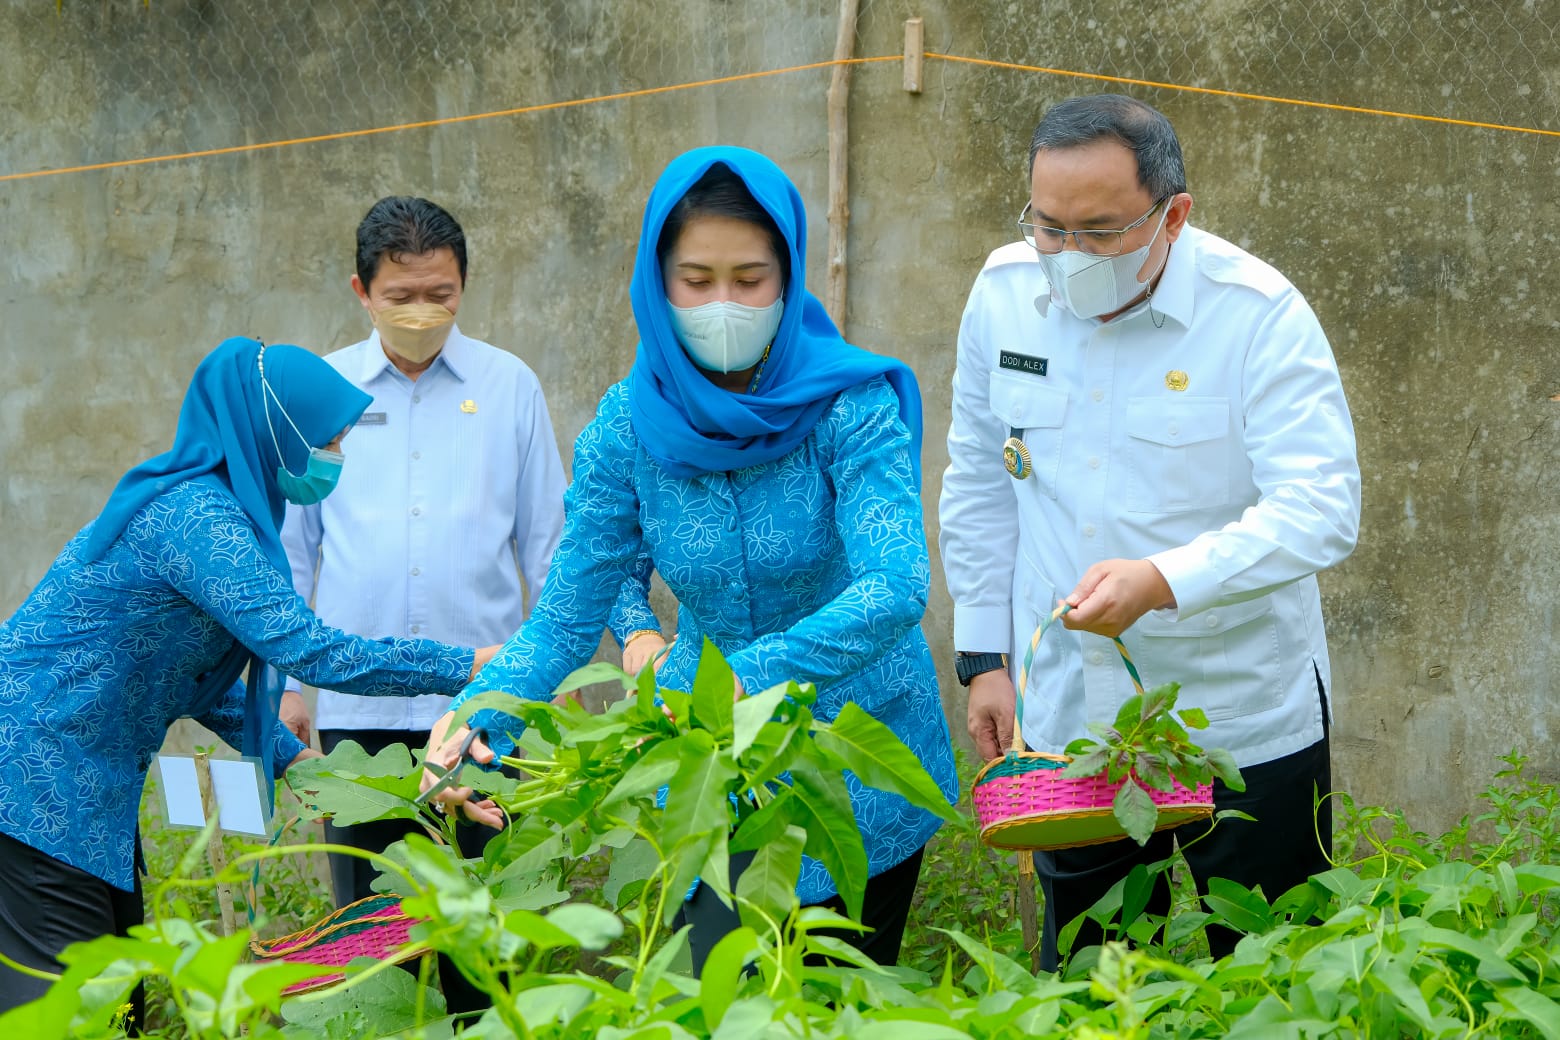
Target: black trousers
point(45, 905)
point(1281, 849)
point(352, 878)
point(885, 910)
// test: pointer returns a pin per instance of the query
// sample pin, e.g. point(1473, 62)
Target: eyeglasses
point(1097, 242)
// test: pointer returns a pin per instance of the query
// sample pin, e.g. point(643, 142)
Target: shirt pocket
point(1178, 454)
point(1036, 410)
point(1227, 659)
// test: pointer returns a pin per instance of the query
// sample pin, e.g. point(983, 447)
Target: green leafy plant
point(1408, 935)
point(1148, 746)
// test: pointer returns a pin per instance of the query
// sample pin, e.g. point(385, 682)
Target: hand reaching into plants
point(1113, 594)
point(643, 647)
point(444, 751)
point(294, 714)
point(991, 713)
point(304, 755)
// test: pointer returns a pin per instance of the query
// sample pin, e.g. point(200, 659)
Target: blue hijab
point(690, 425)
point(225, 440)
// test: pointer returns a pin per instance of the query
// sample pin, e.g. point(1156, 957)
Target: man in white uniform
point(454, 498)
point(1182, 463)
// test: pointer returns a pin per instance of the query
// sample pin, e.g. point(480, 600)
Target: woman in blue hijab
point(150, 614)
point(770, 472)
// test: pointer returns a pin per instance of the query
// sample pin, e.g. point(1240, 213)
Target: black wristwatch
point(968, 666)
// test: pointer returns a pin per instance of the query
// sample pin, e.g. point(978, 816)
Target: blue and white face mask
point(320, 474)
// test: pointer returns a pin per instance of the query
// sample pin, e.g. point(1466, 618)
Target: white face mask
point(1090, 285)
point(725, 336)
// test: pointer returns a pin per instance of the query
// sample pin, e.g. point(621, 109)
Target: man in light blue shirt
point(445, 523)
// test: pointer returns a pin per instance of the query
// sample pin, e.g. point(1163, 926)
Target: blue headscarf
point(225, 440)
point(690, 425)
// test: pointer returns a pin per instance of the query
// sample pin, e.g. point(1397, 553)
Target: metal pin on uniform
point(1015, 455)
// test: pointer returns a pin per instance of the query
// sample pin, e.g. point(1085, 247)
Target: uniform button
point(1175, 430)
point(417, 510)
point(1094, 462)
point(416, 398)
point(416, 571)
point(1095, 657)
point(1088, 530)
point(1098, 395)
point(1212, 621)
point(416, 629)
point(416, 454)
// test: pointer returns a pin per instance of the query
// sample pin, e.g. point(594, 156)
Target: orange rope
point(1248, 97)
point(650, 91)
point(344, 134)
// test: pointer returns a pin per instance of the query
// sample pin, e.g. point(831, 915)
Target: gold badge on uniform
point(469, 406)
point(1015, 456)
point(1175, 379)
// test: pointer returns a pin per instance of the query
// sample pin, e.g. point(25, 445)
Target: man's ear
point(360, 290)
point(1175, 220)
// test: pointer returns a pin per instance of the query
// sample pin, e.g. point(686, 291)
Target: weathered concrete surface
point(1424, 248)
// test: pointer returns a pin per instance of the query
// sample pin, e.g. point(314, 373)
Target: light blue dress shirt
point(452, 493)
point(103, 656)
point(813, 567)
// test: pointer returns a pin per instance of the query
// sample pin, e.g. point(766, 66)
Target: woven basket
point(375, 927)
point(1023, 802)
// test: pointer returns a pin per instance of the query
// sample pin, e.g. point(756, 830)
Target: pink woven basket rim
point(1041, 795)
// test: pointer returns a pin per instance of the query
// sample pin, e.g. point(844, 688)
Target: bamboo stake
point(214, 851)
point(839, 204)
point(1028, 917)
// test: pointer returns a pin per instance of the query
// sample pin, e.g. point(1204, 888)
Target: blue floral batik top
point(104, 656)
point(811, 567)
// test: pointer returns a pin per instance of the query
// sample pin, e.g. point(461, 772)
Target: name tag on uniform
point(1035, 366)
point(372, 419)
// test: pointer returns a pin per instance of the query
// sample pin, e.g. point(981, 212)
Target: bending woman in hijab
point(149, 614)
point(769, 472)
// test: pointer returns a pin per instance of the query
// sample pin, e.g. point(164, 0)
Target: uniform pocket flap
point(1025, 403)
point(1174, 423)
point(1159, 623)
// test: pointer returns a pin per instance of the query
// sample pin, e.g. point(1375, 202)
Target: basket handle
point(1029, 658)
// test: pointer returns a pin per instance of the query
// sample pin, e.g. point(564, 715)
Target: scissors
point(449, 777)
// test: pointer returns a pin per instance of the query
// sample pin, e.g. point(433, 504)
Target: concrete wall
point(1425, 249)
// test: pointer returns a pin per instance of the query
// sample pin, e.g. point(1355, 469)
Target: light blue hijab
point(225, 440)
point(690, 425)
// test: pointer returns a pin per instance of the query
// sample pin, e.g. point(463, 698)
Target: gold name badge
point(1175, 379)
point(1015, 456)
point(469, 406)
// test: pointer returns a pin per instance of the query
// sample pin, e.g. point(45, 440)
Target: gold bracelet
point(640, 632)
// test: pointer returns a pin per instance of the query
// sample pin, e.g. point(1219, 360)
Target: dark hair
point(1139, 126)
point(721, 193)
point(401, 225)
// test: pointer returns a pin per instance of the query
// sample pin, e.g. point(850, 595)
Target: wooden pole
point(214, 851)
point(915, 53)
point(839, 139)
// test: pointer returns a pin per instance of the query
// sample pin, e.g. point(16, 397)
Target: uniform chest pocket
point(1178, 454)
point(1036, 410)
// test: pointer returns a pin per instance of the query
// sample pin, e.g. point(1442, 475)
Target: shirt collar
point(455, 356)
